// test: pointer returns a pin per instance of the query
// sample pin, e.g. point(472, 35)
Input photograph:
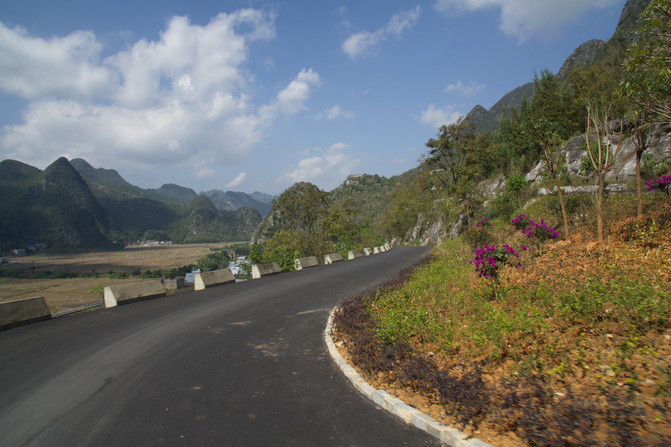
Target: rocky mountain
point(203, 222)
point(108, 182)
point(488, 120)
point(233, 200)
point(53, 207)
point(75, 207)
point(582, 57)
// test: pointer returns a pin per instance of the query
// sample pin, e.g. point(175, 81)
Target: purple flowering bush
point(521, 222)
point(661, 183)
point(539, 231)
point(489, 260)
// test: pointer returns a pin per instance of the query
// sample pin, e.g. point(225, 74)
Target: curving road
point(237, 365)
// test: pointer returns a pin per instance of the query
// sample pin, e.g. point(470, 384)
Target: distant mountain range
point(109, 181)
point(72, 206)
point(582, 57)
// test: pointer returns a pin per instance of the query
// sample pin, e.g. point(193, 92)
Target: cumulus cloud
point(526, 18)
point(367, 43)
point(186, 95)
point(438, 117)
point(472, 88)
point(62, 66)
point(327, 168)
point(292, 98)
point(237, 180)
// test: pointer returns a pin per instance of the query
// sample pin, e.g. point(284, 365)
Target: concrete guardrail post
point(259, 270)
point(21, 312)
point(136, 291)
point(213, 278)
point(332, 257)
point(304, 263)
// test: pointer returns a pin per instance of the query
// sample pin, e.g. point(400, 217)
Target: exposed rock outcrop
point(623, 169)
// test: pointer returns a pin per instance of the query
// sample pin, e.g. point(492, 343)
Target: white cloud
point(366, 43)
point(293, 97)
point(62, 66)
point(472, 88)
point(402, 20)
point(237, 180)
point(327, 168)
point(439, 117)
point(185, 96)
point(335, 112)
point(526, 18)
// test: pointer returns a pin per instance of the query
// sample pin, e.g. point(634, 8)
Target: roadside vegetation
point(548, 321)
point(519, 338)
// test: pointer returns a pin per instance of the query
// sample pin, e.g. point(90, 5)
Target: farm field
point(67, 293)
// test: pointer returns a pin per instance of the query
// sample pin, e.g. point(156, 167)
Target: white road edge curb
point(448, 435)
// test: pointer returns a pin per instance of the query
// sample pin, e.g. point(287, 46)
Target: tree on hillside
point(450, 151)
point(516, 145)
point(549, 105)
point(283, 248)
point(598, 91)
point(303, 207)
point(462, 159)
point(406, 204)
point(647, 82)
point(554, 103)
point(648, 63)
point(550, 142)
point(505, 148)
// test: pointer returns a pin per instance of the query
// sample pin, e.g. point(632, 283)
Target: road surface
point(236, 365)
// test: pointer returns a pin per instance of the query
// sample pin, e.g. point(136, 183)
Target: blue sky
point(256, 95)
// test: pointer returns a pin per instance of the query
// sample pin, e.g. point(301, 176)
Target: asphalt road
point(236, 365)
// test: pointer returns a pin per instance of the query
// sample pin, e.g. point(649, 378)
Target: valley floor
point(67, 293)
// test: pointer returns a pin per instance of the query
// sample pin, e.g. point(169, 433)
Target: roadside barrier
point(125, 293)
point(259, 270)
point(332, 257)
point(304, 263)
point(213, 278)
point(20, 312)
